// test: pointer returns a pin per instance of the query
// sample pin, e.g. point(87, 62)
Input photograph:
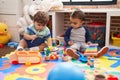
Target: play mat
point(106, 65)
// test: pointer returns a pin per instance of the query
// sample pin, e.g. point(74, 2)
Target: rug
point(103, 65)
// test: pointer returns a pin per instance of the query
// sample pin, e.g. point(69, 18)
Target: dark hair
point(99, 77)
point(41, 17)
point(78, 14)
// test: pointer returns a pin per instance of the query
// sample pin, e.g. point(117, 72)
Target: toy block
point(91, 50)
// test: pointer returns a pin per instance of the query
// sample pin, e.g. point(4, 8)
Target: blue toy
point(82, 58)
point(13, 44)
point(66, 71)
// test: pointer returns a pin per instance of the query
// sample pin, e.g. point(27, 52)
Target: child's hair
point(100, 77)
point(78, 14)
point(41, 17)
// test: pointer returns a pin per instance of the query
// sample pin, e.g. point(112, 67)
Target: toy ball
point(66, 71)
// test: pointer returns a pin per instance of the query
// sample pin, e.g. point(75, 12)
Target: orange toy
point(112, 53)
point(25, 57)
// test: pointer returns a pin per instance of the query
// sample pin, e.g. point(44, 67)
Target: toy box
point(97, 32)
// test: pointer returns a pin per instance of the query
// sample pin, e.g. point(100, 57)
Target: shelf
point(58, 20)
point(112, 46)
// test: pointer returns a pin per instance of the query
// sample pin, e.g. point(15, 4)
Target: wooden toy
point(90, 61)
point(91, 50)
point(51, 53)
point(25, 57)
point(54, 57)
point(47, 58)
point(64, 55)
point(47, 54)
point(65, 58)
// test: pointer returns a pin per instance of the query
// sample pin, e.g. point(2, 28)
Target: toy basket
point(116, 41)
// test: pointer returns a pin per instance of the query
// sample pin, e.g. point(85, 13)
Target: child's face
point(75, 22)
point(39, 26)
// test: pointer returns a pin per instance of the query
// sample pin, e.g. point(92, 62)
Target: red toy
point(118, 36)
point(1, 45)
point(112, 77)
point(54, 57)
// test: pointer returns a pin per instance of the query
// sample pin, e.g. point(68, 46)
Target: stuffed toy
point(4, 35)
point(37, 5)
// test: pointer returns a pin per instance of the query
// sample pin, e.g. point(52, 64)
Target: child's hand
point(70, 43)
point(89, 43)
point(33, 37)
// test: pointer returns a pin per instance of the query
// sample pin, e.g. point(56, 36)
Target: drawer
point(10, 20)
point(10, 6)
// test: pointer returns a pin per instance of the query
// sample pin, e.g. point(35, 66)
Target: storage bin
point(97, 32)
point(116, 41)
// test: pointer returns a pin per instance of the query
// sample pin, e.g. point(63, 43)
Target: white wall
point(27, 2)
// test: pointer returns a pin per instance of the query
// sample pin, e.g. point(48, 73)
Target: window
point(89, 2)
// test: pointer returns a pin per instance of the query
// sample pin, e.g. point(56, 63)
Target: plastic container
point(116, 41)
point(97, 32)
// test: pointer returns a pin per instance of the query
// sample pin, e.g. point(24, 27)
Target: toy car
point(13, 44)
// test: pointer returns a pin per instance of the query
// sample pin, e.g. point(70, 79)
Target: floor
point(5, 50)
point(106, 65)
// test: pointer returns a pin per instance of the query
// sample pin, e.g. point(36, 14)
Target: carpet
point(103, 65)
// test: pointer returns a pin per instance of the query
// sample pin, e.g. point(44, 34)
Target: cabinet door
point(10, 6)
point(10, 20)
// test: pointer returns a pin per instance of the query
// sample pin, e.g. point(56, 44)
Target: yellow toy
point(4, 35)
point(25, 57)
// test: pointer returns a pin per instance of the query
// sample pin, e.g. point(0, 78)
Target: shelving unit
point(58, 21)
point(109, 16)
